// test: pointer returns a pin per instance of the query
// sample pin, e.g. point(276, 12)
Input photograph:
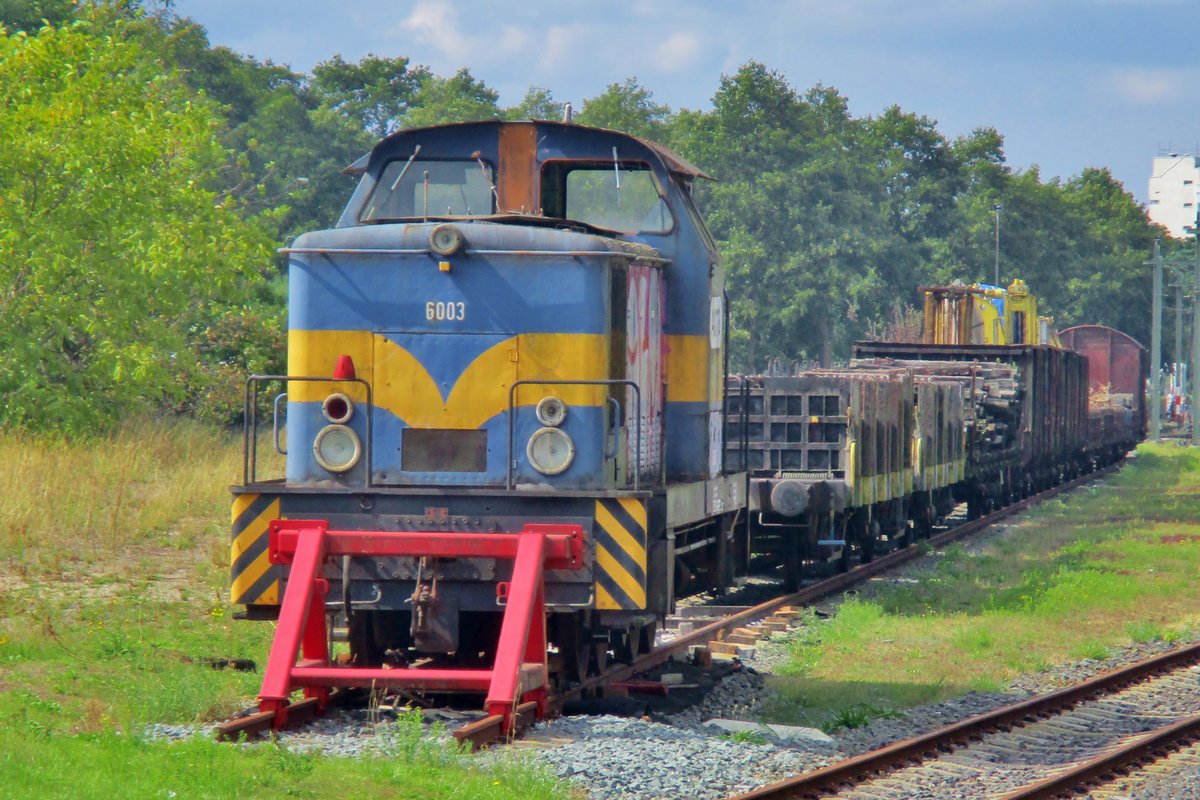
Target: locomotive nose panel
point(446, 388)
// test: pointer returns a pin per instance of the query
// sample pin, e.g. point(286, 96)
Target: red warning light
point(344, 371)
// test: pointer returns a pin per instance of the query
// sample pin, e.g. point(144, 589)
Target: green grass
point(1079, 575)
point(745, 737)
point(112, 595)
point(114, 765)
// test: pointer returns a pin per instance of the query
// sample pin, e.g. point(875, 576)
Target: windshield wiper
point(617, 173)
point(383, 200)
point(487, 176)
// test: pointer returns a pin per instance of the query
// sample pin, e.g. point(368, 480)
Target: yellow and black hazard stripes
point(620, 553)
point(255, 579)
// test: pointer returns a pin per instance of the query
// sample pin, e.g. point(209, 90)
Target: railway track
point(487, 731)
point(1053, 745)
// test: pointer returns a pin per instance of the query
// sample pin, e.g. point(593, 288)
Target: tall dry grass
point(67, 506)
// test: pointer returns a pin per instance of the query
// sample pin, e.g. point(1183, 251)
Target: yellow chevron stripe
point(240, 503)
point(404, 387)
point(604, 600)
point(253, 530)
point(632, 588)
point(270, 597)
point(622, 537)
point(243, 582)
point(636, 509)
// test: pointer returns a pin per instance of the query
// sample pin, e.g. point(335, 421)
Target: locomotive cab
point(482, 270)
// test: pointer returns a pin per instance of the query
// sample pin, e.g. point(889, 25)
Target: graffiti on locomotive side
point(644, 363)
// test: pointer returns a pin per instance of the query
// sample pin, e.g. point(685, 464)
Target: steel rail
point(868, 765)
point(1104, 768)
point(260, 723)
point(816, 591)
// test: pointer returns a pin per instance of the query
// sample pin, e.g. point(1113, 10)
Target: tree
point(291, 142)
point(376, 92)
point(28, 15)
point(109, 239)
point(798, 212)
point(538, 103)
point(627, 107)
point(459, 98)
point(1109, 278)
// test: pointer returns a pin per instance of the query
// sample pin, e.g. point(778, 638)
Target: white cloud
point(513, 40)
point(678, 53)
point(436, 25)
point(1146, 86)
point(562, 46)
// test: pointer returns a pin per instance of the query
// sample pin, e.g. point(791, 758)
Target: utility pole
point(1178, 329)
point(998, 207)
point(1156, 349)
point(1195, 376)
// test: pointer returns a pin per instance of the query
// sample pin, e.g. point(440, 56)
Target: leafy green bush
point(110, 240)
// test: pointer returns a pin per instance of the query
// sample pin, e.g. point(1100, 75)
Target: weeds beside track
point(113, 570)
point(1077, 575)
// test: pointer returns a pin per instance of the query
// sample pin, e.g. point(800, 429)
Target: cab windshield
point(441, 188)
point(617, 196)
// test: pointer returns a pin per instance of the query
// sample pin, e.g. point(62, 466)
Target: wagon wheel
point(633, 642)
point(364, 650)
point(868, 537)
point(621, 642)
point(793, 558)
point(646, 635)
point(575, 650)
point(923, 525)
point(843, 558)
point(850, 533)
point(599, 655)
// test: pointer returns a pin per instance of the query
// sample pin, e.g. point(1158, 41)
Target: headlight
point(337, 408)
point(337, 448)
point(551, 411)
point(550, 450)
point(445, 240)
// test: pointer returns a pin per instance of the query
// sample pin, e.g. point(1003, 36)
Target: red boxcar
point(1118, 367)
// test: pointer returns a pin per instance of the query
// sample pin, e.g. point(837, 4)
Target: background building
point(1174, 192)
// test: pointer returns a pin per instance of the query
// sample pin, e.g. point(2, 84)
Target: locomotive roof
point(672, 160)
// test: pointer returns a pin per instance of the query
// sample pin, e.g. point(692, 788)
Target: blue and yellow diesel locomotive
point(511, 323)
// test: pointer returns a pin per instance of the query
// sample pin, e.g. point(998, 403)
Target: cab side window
point(619, 196)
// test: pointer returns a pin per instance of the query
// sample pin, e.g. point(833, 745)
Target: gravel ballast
point(632, 759)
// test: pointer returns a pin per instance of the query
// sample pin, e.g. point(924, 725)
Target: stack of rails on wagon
point(991, 406)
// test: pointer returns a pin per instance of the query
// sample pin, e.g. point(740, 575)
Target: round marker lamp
point(551, 411)
point(337, 408)
point(337, 448)
point(550, 451)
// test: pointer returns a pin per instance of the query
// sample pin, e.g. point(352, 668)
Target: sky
point(1070, 84)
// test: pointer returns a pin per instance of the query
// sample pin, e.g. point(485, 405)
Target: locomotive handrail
point(355, 251)
point(616, 406)
point(250, 420)
point(512, 391)
point(279, 398)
